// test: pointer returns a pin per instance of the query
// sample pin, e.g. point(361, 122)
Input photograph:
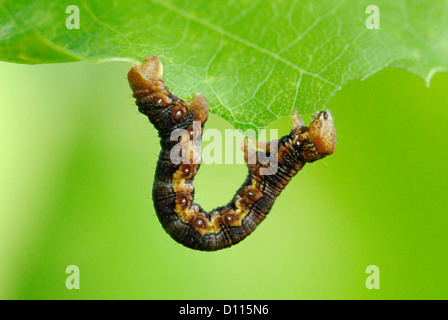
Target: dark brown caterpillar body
point(173, 191)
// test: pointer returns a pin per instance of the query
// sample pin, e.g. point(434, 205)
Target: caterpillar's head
point(323, 133)
point(318, 140)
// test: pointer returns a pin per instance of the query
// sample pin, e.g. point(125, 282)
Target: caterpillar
point(173, 192)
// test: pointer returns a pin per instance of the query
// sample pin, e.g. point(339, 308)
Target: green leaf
point(254, 60)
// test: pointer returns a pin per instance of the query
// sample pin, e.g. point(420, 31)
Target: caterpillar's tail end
point(146, 81)
point(143, 76)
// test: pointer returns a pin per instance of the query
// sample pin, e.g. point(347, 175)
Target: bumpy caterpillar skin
point(173, 192)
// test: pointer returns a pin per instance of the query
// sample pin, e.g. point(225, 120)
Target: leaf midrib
point(191, 17)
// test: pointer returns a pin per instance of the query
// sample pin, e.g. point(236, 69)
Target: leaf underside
point(254, 60)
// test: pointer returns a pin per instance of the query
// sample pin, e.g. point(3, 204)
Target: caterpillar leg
point(173, 192)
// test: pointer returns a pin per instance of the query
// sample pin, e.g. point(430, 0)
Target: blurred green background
point(76, 169)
